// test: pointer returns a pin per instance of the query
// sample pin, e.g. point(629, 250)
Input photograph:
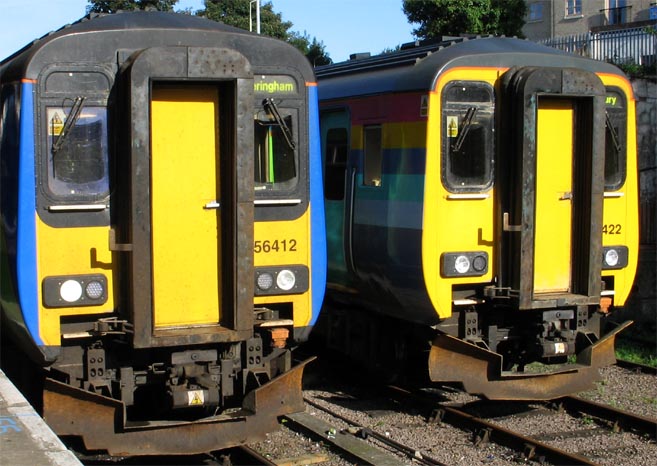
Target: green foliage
point(636, 352)
point(112, 6)
point(238, 13)
point(454, 17)
point(242, 14)
point(313, 49)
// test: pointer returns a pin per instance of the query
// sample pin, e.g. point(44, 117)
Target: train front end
point(132, 141)
point(530, 221)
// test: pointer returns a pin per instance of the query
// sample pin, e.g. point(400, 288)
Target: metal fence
point(624, 46)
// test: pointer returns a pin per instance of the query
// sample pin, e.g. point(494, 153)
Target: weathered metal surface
point(480, 371)
point(366, 454)
point(102, 423)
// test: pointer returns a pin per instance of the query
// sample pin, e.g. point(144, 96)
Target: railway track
point(636, 367)
point(485, 431)
point(354, 440)
point(614, 418)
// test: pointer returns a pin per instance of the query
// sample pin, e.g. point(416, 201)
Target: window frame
point(373, 156)
point(335, 168)
point(573, 8)
point(535, 12)
point(447, 176)
point(622, 134)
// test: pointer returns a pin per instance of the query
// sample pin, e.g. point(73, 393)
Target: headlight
point(74, 290)
point(290, 279)
point(285, 280)
point(265, 281)
point(614, 257)
point(611, 258)
point(464, 264)
point(70, 291)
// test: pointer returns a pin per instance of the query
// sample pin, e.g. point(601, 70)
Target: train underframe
point(166, 401)
point(489, 350)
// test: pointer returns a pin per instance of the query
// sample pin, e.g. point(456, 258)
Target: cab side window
point(467, 136)
point(615, 140)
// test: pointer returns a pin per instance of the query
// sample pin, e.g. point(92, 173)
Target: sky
point(344, 26)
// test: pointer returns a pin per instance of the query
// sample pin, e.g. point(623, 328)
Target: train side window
point(615, 140)
point(275, 148)
point(337, 147)
point(77, 150)
point(373, 158)
point(467, 128)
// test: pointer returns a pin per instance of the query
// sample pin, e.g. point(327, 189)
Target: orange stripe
point(31, 81)
point(311, 84)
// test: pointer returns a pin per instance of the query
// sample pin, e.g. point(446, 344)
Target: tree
point(453, 17)
point(313, 49)
point(239, 13)
point(112, 6)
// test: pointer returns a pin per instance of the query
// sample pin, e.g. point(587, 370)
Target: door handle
point(212, 205)
point(508, 227)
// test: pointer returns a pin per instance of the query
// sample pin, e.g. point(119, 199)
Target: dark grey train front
point(143, 156)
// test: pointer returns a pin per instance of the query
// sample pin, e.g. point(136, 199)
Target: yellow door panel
point(186, 225)
point(553, 196)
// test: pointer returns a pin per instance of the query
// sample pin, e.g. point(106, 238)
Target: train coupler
point(480, 371)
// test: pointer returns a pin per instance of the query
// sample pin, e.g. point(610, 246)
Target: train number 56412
point(267, 246)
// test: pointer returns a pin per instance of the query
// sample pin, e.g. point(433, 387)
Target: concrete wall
point(642, 305)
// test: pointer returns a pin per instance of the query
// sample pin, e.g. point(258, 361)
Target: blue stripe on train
point(317, 221)
point(26, 254)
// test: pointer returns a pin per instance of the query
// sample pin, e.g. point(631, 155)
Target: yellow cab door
point(185, 205)
point(552, 236)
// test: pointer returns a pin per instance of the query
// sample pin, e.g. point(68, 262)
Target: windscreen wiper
point(272, 108)
point(71, 119)
point(465, 127)
point(614, 135)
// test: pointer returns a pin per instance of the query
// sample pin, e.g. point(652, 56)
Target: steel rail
point(488, 431)
point(635, 366)
point(363, 433)
point(618, 418)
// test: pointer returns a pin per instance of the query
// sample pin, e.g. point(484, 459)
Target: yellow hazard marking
point(56, 123)
point(195, 398)
point(452, 126)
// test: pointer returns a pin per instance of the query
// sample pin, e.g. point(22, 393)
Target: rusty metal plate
point(480, 371)
point(101, 421)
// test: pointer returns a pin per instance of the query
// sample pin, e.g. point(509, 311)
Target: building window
point(573, 7)
point(535, 12)
point(617, 11)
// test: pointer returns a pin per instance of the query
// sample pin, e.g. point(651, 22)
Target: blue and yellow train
point(481, 206)
point(143, 155)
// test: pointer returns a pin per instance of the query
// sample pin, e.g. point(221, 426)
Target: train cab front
point(540, 329)
point(188, 362)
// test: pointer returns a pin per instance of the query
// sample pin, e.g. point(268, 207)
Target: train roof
point(97, 37)
point(417, 68)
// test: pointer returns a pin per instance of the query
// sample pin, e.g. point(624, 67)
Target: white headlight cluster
point(469, 264)
point(614, 257)
point(281, 280)
point(75, 290)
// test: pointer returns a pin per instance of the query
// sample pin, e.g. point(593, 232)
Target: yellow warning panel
point(195, 398)
point(185, 205)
